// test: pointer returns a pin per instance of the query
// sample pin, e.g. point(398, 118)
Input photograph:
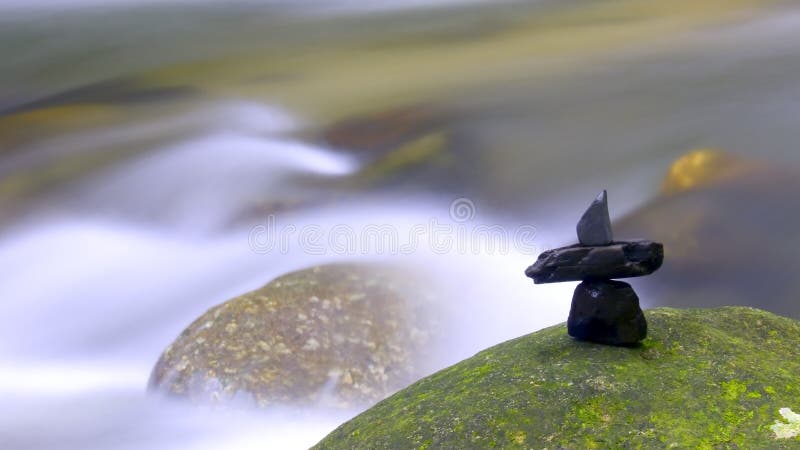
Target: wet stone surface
point(337, 335)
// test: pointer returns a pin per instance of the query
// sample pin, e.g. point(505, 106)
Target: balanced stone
point(606, 312)
point(594, 227)
point(603, 310)
point(624, 259)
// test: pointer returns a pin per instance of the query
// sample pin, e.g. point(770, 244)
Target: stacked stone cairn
point(603, 310)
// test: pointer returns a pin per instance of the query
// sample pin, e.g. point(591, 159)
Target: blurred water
point(120, 229)
point(110, 270)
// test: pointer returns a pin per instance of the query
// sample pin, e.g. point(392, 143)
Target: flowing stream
point(97, 294)
point(128, 207)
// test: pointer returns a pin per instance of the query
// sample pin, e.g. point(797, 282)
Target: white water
point(106, 274)
point(103, 274)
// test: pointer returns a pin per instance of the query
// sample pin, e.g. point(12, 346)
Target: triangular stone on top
point(594, 228)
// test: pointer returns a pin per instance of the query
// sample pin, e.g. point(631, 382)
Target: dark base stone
point(606, 312)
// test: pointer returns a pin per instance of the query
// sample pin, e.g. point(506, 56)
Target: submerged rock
point(382, 131)
point(337, 335)
point(606, 312)
point(705, 378)
point(703, 168)
point(730, 229)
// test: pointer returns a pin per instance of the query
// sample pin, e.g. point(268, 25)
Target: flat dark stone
point(623, 259)
point(594, 226)
point(606, 312)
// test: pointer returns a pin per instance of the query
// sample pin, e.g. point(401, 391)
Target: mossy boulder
point(337, 335)
point(704, 378)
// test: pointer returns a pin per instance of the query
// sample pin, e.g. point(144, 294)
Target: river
point(142, 143)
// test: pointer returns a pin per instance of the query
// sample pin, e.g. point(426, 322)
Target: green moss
point(705, 378)
point(733, 389)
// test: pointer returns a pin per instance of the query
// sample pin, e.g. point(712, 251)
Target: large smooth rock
point(594, 226)
point(577, 262)
point(339, 335)
point(606, 312)
point(704, 378)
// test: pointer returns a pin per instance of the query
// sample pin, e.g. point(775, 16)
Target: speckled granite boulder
point(339, 335)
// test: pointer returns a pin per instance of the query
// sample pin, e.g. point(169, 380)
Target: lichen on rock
point(340, 335)
point(704, 378)
point(788, 429)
